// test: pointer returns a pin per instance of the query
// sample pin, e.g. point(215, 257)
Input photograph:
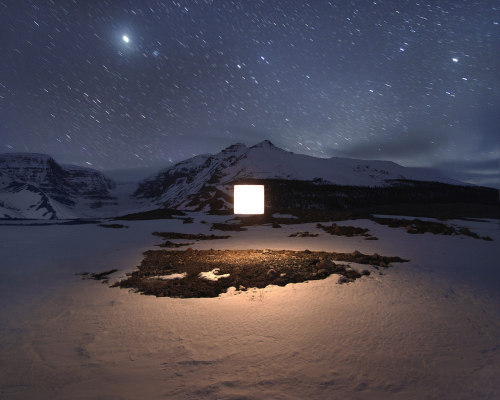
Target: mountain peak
point(234, 147)
point(26, 157)
point(265, 144)
point(36, 181)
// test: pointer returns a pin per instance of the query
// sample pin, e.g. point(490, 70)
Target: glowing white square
point(249, 199)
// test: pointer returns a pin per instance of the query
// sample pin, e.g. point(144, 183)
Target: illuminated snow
point(212, 275)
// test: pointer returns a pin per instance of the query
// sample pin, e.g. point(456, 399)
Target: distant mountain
point(36, 186)
point(205, 182)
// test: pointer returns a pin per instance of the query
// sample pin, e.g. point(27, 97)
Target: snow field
point(428, 329)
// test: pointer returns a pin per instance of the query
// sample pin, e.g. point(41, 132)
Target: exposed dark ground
point(246, 268)
point(452, 210)
point(342, 230)
point(413, 226)
point(259, 268)
point(115, 226)
point(187, 236)
point(97, 276)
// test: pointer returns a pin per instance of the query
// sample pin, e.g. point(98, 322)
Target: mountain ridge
point(34, 185)
point(178, 186)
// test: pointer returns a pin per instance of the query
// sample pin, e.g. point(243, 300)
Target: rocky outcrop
point(30, 182)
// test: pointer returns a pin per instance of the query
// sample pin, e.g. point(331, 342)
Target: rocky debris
point(188, 236)
point(115, 226)
point(417, 226)
point(227, 227)
point(349, 231)
point(173, 245)
point(241, 269)
point(97, 276)
point(303, 234)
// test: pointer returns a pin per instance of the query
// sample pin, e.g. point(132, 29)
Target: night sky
point(123, 84)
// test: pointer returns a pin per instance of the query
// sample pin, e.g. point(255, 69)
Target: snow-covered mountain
point(202, 181)
point(36, 186)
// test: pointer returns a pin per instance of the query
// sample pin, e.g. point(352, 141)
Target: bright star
point(125, 38)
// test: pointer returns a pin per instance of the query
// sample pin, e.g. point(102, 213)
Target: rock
point(272, 273)
point(322, 272)
point(325, 264)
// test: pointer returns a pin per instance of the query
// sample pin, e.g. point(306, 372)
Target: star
point(173, 73)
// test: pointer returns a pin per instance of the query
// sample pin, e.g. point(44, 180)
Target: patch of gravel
point(303, 234)
point(97, 276)
point(417, 226)
point(188, 236)
point(241, 269)
point(115, 226)
point(349, 231)
point(227, 227)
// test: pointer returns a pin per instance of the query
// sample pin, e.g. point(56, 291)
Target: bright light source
point(249, 199)
point(125, 38)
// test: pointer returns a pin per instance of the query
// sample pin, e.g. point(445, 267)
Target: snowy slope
point(426, 329)
point(181, 184)
point(23, 200)
point(265, 160)
point(36, 186)
point(203, 182)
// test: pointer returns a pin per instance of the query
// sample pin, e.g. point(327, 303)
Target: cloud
point(484, 172)
point(406, 146)
point(460, 153)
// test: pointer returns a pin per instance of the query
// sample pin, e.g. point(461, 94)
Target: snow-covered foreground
point(427, 329)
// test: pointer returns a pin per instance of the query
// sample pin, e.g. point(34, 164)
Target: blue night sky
point(125, 84)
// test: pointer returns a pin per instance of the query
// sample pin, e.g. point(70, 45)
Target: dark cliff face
point(65, 184)
point(25, 167)
point(88, 182)
point(54, 179)
point(192, 173)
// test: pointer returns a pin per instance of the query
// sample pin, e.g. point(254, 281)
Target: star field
point(121, 84)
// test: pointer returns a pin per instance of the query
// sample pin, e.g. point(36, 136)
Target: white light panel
point(249, 199)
